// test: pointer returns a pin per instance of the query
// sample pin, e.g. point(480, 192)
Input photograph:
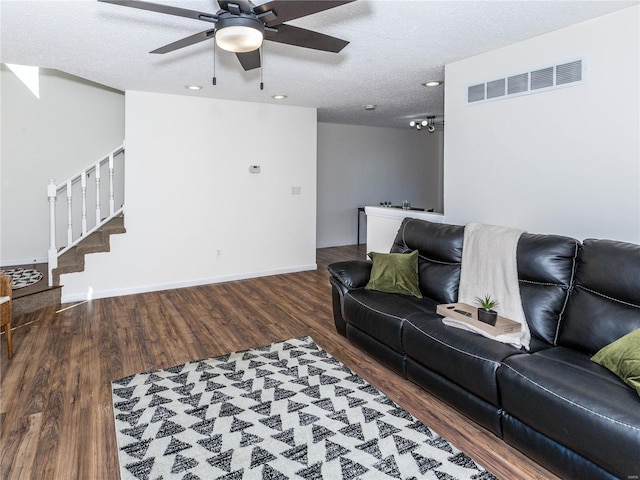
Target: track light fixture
point(430, 124)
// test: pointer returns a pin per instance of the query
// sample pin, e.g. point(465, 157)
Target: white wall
point(71, 125)
point(189, 193)
point(360, 166)
point(565, 161)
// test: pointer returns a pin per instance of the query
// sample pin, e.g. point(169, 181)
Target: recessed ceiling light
point(434, 83)
point(369, 107)
point(193, 87)
point(279, 97)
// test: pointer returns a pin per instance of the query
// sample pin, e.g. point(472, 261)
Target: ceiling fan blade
point(249, 60)
point(287, 10)
point(185, 42)
point(301, 37)
point(156, 7)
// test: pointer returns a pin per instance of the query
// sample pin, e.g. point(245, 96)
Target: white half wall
point(71, 125)
point(565, 161)
point(194, 213)
point(383, 225)
point(359, 166)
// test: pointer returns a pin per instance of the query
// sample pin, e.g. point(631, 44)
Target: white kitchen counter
point(383, 224)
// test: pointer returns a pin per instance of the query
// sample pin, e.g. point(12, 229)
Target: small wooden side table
point(6, 310)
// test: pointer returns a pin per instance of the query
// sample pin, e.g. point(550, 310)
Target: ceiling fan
point(240, 26)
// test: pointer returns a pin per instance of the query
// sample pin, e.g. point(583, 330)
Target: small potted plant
point(486, 314)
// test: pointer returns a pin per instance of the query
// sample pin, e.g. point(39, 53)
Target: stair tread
point(68, 257)
point(45, 297)
point(94, 242)
point(115, 225)
point(69, 266)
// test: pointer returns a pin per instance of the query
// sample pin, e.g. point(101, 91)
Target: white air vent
point(518, 83)
point(569, 72)
point(542, 78)
point(538, 80)
point(495, 88)
point(476, 93)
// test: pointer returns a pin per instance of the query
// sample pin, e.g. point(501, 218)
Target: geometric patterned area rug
point(286, 410)
point(22, 277)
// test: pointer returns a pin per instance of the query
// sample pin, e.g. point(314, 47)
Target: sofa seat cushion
point(562, 394)
point(465, 358)
point(381, 315)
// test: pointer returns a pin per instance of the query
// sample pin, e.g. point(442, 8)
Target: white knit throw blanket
point(489, 266)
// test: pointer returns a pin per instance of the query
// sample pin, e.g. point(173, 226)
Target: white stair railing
point(74, 219)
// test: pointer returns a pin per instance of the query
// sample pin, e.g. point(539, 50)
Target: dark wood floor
point(55, 405)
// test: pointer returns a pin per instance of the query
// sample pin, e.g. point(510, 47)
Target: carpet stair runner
point(99, 241)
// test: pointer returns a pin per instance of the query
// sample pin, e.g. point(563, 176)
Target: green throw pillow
point(395, 273)
point(622, 357)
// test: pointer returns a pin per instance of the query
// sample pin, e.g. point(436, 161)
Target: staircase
point(41, 295)
point(78, 218)
point(72, 260)
point(84, 211)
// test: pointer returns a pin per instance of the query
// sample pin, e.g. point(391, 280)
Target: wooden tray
point(503, 325)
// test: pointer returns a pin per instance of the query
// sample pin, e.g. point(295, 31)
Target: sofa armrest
point(351, 274)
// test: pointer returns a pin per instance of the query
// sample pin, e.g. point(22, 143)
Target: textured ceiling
point(395, 46)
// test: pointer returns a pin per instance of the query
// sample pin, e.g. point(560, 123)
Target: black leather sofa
point(569, 414)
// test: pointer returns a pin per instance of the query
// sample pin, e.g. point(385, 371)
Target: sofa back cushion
point(440, 255)
point(604, 304)
point(546, 265)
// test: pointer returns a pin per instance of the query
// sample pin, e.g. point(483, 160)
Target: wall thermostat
point(254, 168)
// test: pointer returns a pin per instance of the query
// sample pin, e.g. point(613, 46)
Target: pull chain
point(261, 67)
point(214, 62)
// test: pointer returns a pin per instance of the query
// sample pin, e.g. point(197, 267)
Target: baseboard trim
point(341, 244)
point(93, 295)
point(24, 261)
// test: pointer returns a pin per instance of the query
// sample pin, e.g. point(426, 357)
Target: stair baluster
point(69, 213)
point(112, 202)
point(97, 173)
point(83, 180)
point(52, 254)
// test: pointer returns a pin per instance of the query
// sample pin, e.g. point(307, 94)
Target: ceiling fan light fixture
point(239, 34)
